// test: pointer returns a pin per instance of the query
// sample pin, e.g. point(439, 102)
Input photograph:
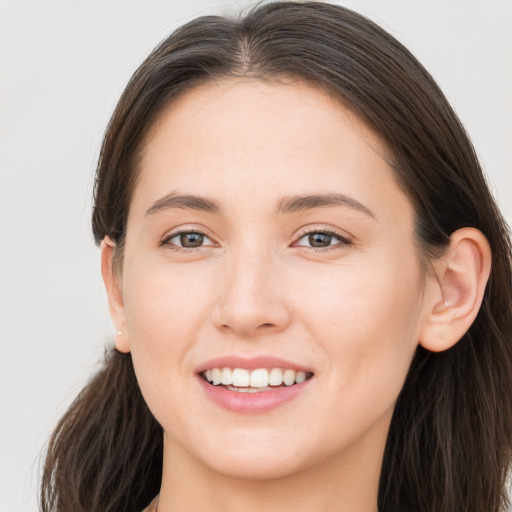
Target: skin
point(353, 311)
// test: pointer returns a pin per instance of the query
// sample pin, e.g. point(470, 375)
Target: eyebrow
point(286, 204)
point(184, 201)
point(301, 203)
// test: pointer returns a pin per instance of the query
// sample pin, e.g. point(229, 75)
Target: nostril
point(266, 325)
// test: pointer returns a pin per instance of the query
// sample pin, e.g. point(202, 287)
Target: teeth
point(240, 377)
point(300, 377)
point(216, 376)
point(259, 379)
point(275, 377)
point(248, 390)
point(289, 377)
point(227, 377)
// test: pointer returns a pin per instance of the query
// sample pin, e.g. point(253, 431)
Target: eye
point(321, 239)
point(192, 239)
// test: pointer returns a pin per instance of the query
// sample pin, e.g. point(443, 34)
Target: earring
point(119, 333)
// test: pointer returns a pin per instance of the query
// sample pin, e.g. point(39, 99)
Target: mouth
point(253, 385)
point(258, 380)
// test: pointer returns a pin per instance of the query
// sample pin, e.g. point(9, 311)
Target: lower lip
point(252, 403)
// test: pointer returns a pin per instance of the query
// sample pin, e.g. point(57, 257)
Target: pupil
point(320, 240)
point(191, 239)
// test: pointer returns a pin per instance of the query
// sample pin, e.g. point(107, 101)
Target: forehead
point(231, 103)
point(244, 135)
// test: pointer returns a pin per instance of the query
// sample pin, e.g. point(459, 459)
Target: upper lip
point(251, 363)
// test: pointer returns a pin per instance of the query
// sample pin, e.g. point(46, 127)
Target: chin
point(257, 468)
point(250, 460)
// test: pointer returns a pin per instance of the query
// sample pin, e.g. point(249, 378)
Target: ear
point(115, 295)
point(457, 289)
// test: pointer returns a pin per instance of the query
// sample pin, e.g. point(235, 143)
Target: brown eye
point(188, 240)
point(319, 239)
point(322, 240)
point(191, 239)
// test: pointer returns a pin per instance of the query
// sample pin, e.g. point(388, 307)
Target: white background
point(63, 65)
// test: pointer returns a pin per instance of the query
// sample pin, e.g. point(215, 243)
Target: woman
point(296, 245)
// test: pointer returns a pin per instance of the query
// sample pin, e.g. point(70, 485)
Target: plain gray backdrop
point(63, 65)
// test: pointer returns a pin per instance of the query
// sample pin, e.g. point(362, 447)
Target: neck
point(346, 482)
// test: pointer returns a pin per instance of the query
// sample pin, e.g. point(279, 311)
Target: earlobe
point(457, 292)
point(114, 294)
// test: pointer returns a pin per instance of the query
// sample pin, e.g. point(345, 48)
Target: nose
point(252, 297)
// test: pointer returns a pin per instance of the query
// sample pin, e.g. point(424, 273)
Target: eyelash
point(343, 240)
point(167, 240)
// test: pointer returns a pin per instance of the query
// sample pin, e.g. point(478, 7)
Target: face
point(266, 231)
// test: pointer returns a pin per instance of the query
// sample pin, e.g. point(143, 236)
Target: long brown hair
point(450, 442)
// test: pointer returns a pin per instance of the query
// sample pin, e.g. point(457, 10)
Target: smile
point(257, 380)
point(253, 385)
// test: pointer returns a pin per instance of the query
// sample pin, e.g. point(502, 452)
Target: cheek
point(159, 296)
point(365, 320)
point(164, 316)
point(165, 309)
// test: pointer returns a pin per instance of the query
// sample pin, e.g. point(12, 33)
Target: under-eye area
point(252, 381)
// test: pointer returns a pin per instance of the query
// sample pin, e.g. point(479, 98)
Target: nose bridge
point(252, 298)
